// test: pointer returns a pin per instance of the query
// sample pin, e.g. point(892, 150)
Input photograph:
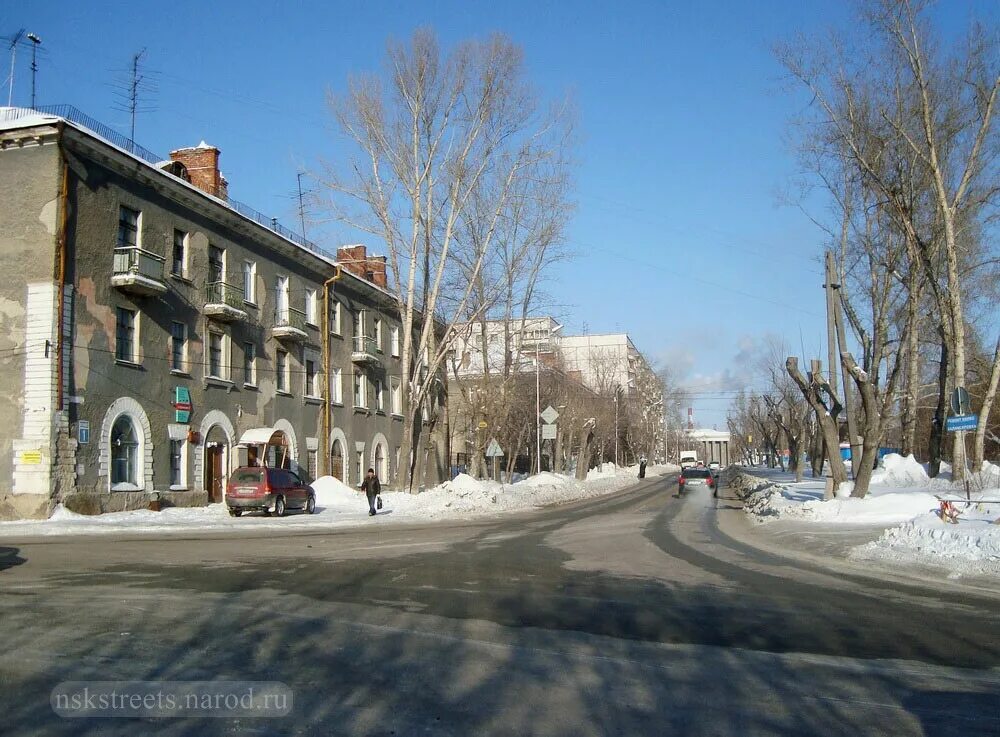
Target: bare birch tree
point(442, 138)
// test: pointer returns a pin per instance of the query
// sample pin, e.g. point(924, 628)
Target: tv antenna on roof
point(132, 89)
point(14, 41)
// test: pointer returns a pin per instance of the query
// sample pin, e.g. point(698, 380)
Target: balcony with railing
point(289, 324)
point(137, 271)
point(365, 350)
point(224, 301)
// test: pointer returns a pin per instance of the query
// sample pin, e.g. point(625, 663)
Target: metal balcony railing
point(364, 344)
point(132, 260)
point(221, 293)
point(289, 317)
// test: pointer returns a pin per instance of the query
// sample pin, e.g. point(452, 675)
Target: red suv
point(260, 489)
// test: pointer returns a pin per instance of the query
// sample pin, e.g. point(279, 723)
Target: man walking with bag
point(372, 489)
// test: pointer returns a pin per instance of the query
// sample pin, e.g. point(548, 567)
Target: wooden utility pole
point(834, 296)
point(831, 330)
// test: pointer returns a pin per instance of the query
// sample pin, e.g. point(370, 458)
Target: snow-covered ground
point(339, 505)
point(905, 501)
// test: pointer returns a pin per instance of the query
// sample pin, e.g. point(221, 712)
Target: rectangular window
point(360, 464)
point(250, 364)
point(359, 322)
point(178, 346)
point(281, 369)
point(311, 463)
point(359, 389)
point(250, 281)
point(128, 227)
point(216, 264)
point(396, 395)
point(176, 463)
point(312, 386)
point(379, 395)
point(178, 264)
point(311, 310)
point(216, 354)
point(281, 299)
point(394, 340)
point(336, 387)
point(378, 333)
point(125, 335)
point(335, 318)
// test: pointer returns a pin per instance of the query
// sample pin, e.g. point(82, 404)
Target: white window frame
point(225, 259)
point(281, 303)
point(359, 387)
point(378, 333)
point(394, 340)
point(337, 386)
point(252, 379)
point(250, 295)
point(359, 322)
point(138, 227)
point(225, 372)
point(311, 304)
point(183, 368)
point(379, 395)
point(183, 485)
point(311, 390)
point(335, 326)
point(284, 386)
point(396, 395)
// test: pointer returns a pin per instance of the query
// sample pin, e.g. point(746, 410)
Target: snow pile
point(340, 505)
point(904, 499)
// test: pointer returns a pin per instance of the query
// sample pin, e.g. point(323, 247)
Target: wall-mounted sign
point(83, 432)
point(182, 404)
point(31, 457)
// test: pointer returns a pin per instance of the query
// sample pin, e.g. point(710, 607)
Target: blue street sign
point(961, 422)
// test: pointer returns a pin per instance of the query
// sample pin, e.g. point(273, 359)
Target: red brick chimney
point(202, 164)
point(370, 268)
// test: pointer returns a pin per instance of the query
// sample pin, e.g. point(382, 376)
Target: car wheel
point(235, 512)
point(311, 505)
point(279, 506)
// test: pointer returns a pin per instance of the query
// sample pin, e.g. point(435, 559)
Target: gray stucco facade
point(135, 327)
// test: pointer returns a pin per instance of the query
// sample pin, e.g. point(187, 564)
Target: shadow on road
point(9, 558)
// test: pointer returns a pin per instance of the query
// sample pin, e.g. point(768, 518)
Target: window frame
point(394, 341)
point(251, 379)
point(180, 367)
point(335, 322)
point(337, 386)
point(360, 390)
point(378, 333)
point(250, 294)
point(312, 308)
point(133, 335)
point(125, 227)
point(182, 456)
point(225, 372)
point(184, 245)
point(396, 395)
point(134, 459)
point(281, 373)
point(311, 382)
point(222, 253)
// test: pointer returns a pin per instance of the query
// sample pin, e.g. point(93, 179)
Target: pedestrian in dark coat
point(372, 489)
point(642, 467)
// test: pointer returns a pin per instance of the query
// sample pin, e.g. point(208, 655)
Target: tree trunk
point(583, 457)
point(827, 417)
point(979, 448)
point(935, 441)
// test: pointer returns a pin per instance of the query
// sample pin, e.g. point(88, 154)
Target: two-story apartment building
point(154, 333)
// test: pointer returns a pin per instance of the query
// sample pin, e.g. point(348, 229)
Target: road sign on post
point(550, 415)
point(961, 403)
point(548, 432)
point(494, 450)
point(960, 423)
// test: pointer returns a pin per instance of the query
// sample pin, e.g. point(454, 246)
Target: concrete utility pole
point(538, 409)
point(835, 289)
point(831, 334)
point(35, 41)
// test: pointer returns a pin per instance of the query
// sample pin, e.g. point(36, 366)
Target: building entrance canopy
point(263, 436)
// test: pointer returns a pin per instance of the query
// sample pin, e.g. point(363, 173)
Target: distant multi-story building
point(157, 333)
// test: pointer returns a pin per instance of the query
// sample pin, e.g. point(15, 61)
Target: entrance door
point(337, 461)
point(213, 473)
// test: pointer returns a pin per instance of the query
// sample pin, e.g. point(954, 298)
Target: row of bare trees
point(901, 135)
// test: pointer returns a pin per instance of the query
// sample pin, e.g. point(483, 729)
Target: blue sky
point(679, 237)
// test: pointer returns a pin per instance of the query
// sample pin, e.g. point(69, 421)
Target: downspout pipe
point(327, 429)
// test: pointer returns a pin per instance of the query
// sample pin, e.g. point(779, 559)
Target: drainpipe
point(61, 245)
point(327, 286)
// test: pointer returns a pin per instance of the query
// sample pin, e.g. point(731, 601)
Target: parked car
point(715, 466)
point(695, 477)
point(261, 489)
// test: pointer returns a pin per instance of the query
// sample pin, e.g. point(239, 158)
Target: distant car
point(695, 477)
point(260, 489)
point(714, 466)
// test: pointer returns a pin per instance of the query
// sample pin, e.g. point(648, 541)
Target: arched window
point(124, 452)
point(337, 460)
point(381, 470)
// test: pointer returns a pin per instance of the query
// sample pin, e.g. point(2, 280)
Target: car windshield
point(248, 476)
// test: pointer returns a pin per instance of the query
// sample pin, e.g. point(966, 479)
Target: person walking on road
point(372, 489)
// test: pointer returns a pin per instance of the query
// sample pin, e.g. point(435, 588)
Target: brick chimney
point(202, 164)
point(370, 268)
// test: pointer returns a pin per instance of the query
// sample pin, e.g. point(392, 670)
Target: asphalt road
point(633, 614)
